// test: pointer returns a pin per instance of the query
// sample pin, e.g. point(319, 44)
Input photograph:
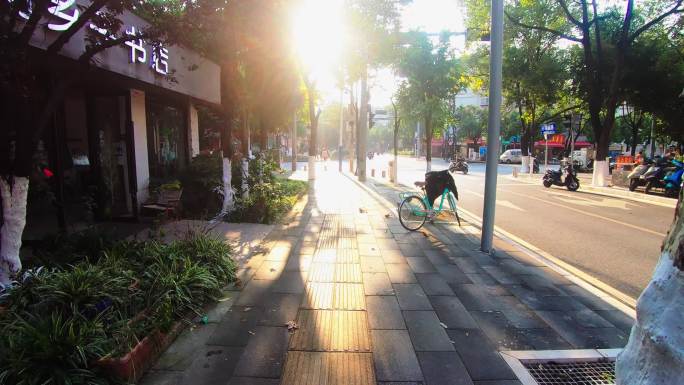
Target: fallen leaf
point(443, 325)
point(387, 215)
point(362, 210)
point(251, 332)
point(291, 326)
point(247, 309)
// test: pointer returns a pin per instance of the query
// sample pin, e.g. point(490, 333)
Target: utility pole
point(494, 129)
point(294, 141)
point(339, 148)
point(363, 127)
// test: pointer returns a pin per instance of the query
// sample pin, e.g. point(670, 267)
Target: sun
point(318, 35)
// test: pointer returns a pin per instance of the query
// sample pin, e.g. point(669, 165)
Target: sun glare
point(318, 33)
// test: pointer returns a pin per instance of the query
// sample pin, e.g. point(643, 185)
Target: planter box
point(135, 363)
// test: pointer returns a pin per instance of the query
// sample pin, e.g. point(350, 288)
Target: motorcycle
point(654, 176)
point(634, 177)
point(565, 176)
point(535, 167)
point(673, 178)
point(459, 165)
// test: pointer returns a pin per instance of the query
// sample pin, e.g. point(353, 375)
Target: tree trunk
point(395, 169)
point(227, 154)
point(363, 127)
point(655, 351)
point(14, 200)
point(635, 138)
point(428, 143)
point(601, 166)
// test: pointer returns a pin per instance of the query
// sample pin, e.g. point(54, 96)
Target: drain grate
point(572, 373)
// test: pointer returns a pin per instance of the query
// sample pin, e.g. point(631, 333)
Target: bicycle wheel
point(412, 213)
point(454, 209)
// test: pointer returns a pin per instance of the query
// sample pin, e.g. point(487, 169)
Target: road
point(612, 239)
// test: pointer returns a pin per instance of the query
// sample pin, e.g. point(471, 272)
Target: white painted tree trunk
point(428, 166)
point(228, 194)
point(14, 198)
point(245, 174)
point(654, 354)
point(395, 170)
point(601, 173)
point(525, 165)
point(312, 168)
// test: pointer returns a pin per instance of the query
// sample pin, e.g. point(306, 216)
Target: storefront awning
point(578, 144)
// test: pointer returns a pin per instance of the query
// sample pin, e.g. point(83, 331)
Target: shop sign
point(183, 71)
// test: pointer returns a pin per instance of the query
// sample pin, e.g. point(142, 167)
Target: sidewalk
point(615, 192)
point(376, 304)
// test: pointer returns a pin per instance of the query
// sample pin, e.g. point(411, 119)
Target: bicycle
point(415, 209)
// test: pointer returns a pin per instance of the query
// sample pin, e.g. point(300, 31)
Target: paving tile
point(346, 243)
point(264, 355)
point(437, 257)
point(318, 295)
point(468, 265)
point(279, 253)
point(347, 256)
point(399, 273)
point(334, 368)
point(322, 272)
point(234, 328)
point(475, 297)
point(411, 297)
point(443, 368)
point(500, 331)
point(537, 301)
point(498, 382)
point(540, 285)
point(278, 309)
point(411, 250)
point(298, 263)
point(480, 356)
point(369, 250)
point(162, 377)
point(349, 296)
point(213, 365)
point(348, 272)
point(254, 292)
point(481, 279)
point(434, 284)
point(372, 265)
point(501, 276)
point(513, 267)
point(517, 313)
point(291, 282)
point(184, 349)
point(452, 313)
point(394, 357)
point(377, 284)
point(393, 256)
point(325, 256)
point(427, 334)
point(452, 274)
point(384, 312)
point(331, 330)
point(386, 244)
point(618, 319)
point(568, 325)
point(420, 265)
point(270, 270)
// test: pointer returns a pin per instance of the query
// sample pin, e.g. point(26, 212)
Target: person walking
point(325, 155)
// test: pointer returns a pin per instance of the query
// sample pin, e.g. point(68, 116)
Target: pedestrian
point(325, 155)
point(639, 158)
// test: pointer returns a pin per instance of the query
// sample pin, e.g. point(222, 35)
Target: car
point(511, 156)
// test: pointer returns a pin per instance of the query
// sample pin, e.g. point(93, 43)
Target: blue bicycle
point(416, 208)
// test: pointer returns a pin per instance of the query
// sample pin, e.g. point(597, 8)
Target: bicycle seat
point(419, 184)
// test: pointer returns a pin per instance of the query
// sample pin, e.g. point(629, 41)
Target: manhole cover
point(572, 373)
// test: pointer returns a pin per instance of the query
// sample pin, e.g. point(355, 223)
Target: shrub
point(62, 319)
point(202, 181)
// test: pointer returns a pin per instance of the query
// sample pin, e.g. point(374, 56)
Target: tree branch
point(572, 19)
point(85, 17)
point(559, 113)
point(675, 9)
point(32, 23)
point(94, 50)
point(544, 29)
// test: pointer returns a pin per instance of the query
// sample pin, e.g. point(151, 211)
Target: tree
point(314, 114)
point(29, 107)
point(471, 122)
point(432, 74)
point(655, 351)
point(396, 124)
point(606, 38)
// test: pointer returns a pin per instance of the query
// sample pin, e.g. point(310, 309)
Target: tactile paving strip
point(316, 368)
point(321, 272)
point(331, 330)
point(348, 272)
point(349, 296)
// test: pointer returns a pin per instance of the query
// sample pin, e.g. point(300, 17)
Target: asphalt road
point(612, 239)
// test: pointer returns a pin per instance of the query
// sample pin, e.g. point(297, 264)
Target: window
point(166, 139)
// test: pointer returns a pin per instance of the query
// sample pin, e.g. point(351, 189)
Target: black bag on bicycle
point(436, 182)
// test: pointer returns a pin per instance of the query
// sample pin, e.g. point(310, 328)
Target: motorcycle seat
point(419, 184)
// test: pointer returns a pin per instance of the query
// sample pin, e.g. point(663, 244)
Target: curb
point(636, 197)
point(619, 300)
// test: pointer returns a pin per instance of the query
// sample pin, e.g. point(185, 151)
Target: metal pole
point(546, 152)
point(294, 141)
point(339, 148)
point(652, 136)
point(493, 131)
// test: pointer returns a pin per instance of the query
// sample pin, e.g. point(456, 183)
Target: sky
point(318, 44)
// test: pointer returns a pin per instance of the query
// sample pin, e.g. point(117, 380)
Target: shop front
point(125, 126)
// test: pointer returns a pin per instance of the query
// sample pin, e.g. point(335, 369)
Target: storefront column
point(193, 131)
point(142, 169)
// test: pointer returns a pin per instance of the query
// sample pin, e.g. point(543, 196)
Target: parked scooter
point(653, 177)
point(565, 176)
point(535, 166)
point(673, 178)
point(634, 177)
point(459, 164)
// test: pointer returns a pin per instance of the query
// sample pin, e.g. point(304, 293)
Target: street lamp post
point(339, 148)
point(494, 129)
